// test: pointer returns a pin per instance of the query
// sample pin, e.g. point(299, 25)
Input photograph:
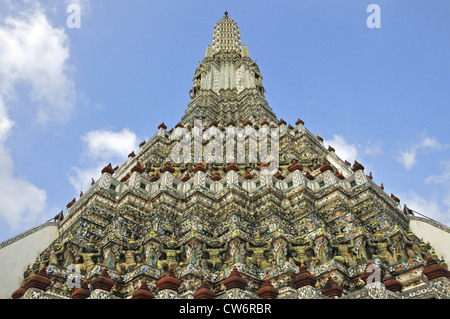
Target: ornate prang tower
point(228, 83)
point(319, 228)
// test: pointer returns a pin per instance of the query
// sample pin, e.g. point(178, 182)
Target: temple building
point(316, 227)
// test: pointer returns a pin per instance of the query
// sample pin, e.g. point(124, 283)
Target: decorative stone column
point(298, 179)
point(265, 124)
point(360, 177)
point(433, 270)
point(393, 284)
point(232, 175)
point(37, 285)
point(439, 278)
point(167, 176)
point(199, 175)
point(21, 291)
point(101, 286)
point(204, 291)
point(248, 178)
point(332, 289)
point(235, 285)
point(83, 292)
point(300, 125)
point(282, 126)
point(105, 179)
point(168, 286)
point(267, 291)
point(162, 129)
point(265, 175)
point(320, 139)
point(142, 145)
point(328, 177)
point(143, 292)
point(135, 179)
point(305, 283)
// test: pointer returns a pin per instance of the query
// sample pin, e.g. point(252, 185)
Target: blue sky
point(74, 100)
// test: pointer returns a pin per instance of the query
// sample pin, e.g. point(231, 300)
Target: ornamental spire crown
point(226, 36)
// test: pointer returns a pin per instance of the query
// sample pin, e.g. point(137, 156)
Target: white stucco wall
point(18, 254)
point(436, 234)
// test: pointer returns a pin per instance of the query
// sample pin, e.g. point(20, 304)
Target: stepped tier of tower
point(317, 227)
point(138, 219)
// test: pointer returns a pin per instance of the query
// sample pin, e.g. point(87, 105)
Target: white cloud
point(34, 65)
point(5, 122)
point(408, 156)
point(350, 152)
point(344, 150)
point(446, 199)
point(432, 208)
point(373, 148)
point(100, 148)
point(442, 181)
point(354, 151)
point(105, 144)
point(21, 201)
point(34, 53)
point(83, 177)
point(443, 178)
point(430, 142)
point(436, 205)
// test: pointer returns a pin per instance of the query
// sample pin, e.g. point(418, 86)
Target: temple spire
point(226, 36)
point(226, 80)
